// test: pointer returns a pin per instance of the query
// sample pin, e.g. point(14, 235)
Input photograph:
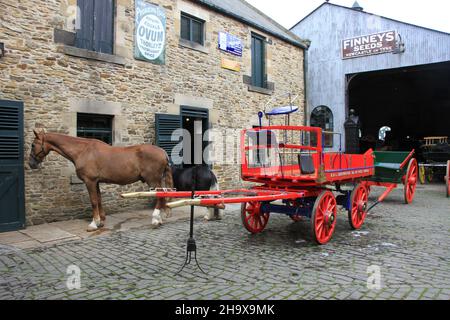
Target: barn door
point(12, 200)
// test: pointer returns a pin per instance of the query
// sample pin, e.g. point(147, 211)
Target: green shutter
point(166, 124)
point(12, 199)
point(258, 57)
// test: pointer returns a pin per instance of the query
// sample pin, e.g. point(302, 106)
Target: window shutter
point(194, 112)
point(166, 124)
point(12, 197)
point(10, 132)
point(103, 26)
point(85, 22)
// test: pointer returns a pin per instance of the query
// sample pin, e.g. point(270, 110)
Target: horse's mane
point(76, 139)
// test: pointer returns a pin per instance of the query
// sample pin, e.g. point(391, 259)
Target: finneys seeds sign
point(150, 33)
point(377, 43)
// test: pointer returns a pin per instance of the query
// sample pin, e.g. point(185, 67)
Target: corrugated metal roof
point(365, 12)
point(246, 13)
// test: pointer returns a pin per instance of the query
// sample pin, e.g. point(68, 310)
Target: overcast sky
point(434, 14)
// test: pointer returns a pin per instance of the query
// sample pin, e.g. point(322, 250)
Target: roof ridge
point(271, 20)
point(255, 18)
point(365, 12)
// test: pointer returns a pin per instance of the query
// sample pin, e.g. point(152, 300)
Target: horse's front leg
point(156, 216)
point(100, 207)
point(92, 189)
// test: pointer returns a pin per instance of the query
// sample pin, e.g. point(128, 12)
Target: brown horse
point(97, 162)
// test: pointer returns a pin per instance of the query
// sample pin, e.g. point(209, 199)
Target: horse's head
point(39, 149)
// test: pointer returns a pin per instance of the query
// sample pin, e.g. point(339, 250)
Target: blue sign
point(230, 43)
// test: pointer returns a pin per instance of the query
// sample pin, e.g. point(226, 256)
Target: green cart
point(391, 169)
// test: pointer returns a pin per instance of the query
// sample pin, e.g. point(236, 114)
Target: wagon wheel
point(252, 218)
point(447, 179)
point(358, 211)
point(411, 181)
point(422, 174)
point(430, 174)
point(324, 216)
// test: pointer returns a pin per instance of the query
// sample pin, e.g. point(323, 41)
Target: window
point(322, 117)
point(258, 61)
point(95, 25)
point(192, 29)
point(95, 126)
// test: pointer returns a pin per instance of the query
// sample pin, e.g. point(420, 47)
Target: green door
point(12, 200)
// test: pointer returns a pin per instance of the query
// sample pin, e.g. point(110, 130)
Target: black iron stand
point(191, 245)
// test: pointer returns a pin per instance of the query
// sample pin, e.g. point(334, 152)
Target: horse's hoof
point(101, 224)
point(156, 226)
point(91, 229)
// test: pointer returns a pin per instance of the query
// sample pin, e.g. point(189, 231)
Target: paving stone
point(46, 233)
point(141, 263)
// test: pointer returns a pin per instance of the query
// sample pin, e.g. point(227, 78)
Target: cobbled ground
point(409, 243)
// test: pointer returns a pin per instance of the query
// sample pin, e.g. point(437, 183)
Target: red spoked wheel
point(324, 216)
point(358, 210)
point(410, 182)
point(252, 218)
point(447, 179)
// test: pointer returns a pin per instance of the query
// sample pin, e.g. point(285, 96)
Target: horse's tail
point(167, 177)
point(215, 183)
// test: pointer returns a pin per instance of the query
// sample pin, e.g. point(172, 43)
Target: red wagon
point(292, 175)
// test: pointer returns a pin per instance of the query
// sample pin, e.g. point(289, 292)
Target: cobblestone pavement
point(410, 244)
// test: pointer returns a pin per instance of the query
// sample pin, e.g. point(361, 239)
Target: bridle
point(35, 156)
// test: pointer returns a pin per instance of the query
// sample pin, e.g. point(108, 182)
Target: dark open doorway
point(195, 122)
point(413, 102)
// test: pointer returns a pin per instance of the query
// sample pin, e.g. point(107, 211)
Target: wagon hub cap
point(362, 207)
point(329, 219)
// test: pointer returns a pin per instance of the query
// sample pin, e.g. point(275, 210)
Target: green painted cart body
point(393, 168)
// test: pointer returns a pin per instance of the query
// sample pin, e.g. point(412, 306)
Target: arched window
point(322, 117)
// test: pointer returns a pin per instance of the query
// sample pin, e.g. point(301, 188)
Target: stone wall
point(56, 81)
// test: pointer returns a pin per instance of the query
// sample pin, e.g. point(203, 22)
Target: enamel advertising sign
point(150, 33)
point(382, 42)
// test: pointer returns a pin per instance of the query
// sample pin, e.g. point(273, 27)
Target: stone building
point(84, 68)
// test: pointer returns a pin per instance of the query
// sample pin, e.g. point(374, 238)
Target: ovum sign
point(150, 34)
point(377, 43)
point(151, 37)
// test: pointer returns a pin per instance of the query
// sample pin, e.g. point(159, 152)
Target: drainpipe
point(305, 84)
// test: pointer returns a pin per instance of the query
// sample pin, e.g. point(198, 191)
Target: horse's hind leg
point(92, 189)
point(100, 207)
